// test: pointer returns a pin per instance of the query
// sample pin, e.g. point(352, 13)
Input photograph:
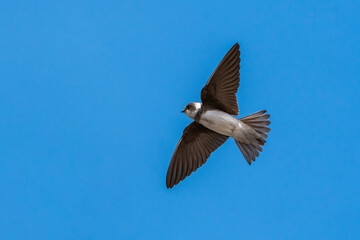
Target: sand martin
point(214, 123)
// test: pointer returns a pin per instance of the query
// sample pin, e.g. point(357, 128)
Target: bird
point(215, 121)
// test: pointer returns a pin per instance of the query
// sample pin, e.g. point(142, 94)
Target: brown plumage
point(192, 151)
point(220, 89)
point(218, 103)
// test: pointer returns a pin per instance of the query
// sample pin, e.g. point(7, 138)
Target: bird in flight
point(214, 123)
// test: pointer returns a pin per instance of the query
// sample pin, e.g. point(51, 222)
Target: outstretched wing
point(219, 92)
point(192, 151)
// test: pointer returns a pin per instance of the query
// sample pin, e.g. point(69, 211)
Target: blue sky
point(90, 100)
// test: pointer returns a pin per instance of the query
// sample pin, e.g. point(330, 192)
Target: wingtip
point(236, 46)
point(169, 184)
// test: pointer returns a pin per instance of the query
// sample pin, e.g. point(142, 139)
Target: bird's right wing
point(192, 151)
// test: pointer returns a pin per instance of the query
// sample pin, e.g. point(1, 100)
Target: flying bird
point(214, 123)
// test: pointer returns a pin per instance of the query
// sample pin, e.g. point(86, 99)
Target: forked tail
point(258, 122)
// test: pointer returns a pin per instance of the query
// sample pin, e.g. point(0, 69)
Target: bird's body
point(223, 123)
point(214, 123)
point(220, 122)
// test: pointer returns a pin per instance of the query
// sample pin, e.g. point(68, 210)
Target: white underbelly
point(220, 122)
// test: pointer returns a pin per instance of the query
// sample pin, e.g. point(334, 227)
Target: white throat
point(192, 112)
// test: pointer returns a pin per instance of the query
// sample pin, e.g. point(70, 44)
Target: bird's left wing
point(219, 92)
point(192, 151)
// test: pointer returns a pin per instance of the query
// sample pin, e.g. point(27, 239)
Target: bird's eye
point(188, 107)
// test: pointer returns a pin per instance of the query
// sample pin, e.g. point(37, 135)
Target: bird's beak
point(182, 111)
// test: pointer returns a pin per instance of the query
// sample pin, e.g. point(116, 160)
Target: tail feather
point(259, 122)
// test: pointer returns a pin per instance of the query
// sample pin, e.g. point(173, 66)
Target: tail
point(258, 122)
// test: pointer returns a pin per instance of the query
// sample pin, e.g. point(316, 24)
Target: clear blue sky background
point(90, 100)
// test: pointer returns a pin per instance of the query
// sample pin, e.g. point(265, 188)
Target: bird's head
point(192, 109)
